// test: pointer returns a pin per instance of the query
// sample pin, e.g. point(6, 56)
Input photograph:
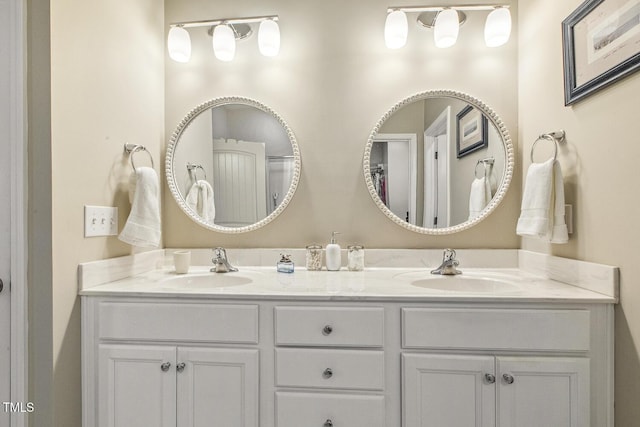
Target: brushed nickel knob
point(328, 373)
point(508, 378)
point(328, 423)
point(165, 366)
point(490, 378)
point(180, 366)
point(327, 330)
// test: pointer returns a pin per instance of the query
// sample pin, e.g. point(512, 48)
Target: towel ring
point(488, 161)
point(555, 137)
point(131, 149)
point(192, 167)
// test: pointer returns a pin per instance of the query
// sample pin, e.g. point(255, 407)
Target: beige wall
point(107, 84)
point(333, 80)
point(600, 164)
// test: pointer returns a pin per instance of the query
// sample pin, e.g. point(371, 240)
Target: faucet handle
point(449, 255)
point(219, 253)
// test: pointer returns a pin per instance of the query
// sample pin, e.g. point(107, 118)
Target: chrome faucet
point(220, 262)
point(449, 264)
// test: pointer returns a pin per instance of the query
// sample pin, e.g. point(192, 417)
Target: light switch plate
point(100, 221)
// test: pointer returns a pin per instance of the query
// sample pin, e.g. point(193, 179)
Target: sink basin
point(205, 281)
point(466, 284)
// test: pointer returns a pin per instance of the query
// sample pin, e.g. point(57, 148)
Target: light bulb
point(179, 44)
point(224, 42)
point(269, 38)
point(497, 29)
point(445, 32)
point(396, 29)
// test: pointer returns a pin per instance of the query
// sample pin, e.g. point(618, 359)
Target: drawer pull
point(328, 423)
point(165, 366)
point(180, 367)
point(328, 373)
point(490, 378)
point(508, 378)
point(327, 330)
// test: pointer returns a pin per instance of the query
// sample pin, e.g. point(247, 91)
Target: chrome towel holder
point(194, 168)
point(489, 161)
point(557, 137)
point(131, 149)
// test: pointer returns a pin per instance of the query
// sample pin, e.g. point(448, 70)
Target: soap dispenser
point(333, 255)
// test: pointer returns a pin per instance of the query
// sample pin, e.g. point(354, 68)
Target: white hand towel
point(479, 196)
point(200, 200)
point(143, 226)
point(542, 213)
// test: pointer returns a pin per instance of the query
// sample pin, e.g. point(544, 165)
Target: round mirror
point(232, 164)
point(438, 162)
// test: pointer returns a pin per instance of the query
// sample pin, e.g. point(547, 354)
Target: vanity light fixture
point(446, 29)
point(396, 29)
point(179, 44)
point(446, 22)
point(225, 33)
point(269, 37)
point(224, 42)
point(498, 27)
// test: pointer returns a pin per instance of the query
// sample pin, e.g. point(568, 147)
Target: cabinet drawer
point(330, 326)
point(179, 322)
point(496, 329)
point(336, 369)
point(319, 410)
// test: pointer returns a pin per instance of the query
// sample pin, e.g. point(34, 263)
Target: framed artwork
point(472, 133)
point(601, 45)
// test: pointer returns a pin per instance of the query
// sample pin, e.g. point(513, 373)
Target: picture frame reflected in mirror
point(472, 132)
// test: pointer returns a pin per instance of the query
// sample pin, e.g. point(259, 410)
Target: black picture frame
point(612, 54)
point(471, 131)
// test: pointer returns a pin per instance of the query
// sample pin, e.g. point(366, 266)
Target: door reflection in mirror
point(393, 169)
point(416, 170)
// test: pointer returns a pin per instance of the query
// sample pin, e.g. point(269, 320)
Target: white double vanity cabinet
point(346, 349)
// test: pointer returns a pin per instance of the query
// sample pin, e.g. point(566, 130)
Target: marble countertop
point(372, 284)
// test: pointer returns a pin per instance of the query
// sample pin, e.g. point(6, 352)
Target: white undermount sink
point(466, 284)
point(470, 282)
point(206, 281)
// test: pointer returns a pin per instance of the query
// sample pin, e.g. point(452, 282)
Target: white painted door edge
point(19, 302)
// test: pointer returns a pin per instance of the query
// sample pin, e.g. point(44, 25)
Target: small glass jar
point(314, 258)
point(355, 257)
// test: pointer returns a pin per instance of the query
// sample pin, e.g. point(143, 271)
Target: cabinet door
point(549, 391)
point(137, 386)
point(217, 387)
point(448, 390)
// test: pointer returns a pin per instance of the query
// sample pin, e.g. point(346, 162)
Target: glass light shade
point(224, 42)
point(269, 38)
point(396, 29)
point(445, 32)
point(497, 29)
point(179, 44)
